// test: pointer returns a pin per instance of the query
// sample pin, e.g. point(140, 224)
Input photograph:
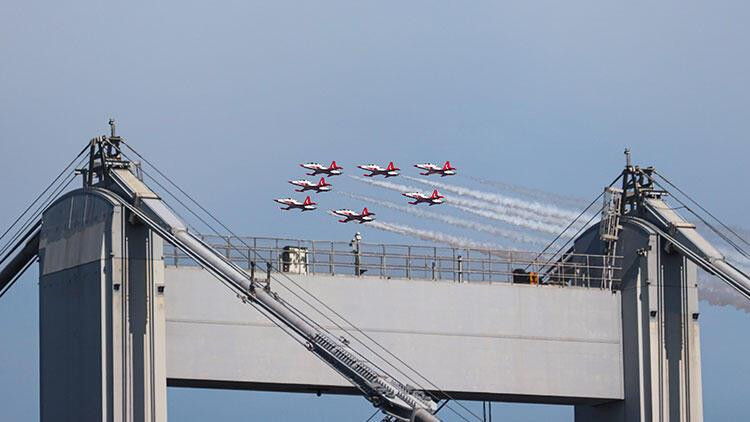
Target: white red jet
point(292, 203)
point(306, 185)
point(349, 215)
point(376, 170)
point(419, 197)
point(446, 170)
point(332, 170)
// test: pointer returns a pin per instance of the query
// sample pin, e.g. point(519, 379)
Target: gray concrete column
point(660, 331)
point(102, 326)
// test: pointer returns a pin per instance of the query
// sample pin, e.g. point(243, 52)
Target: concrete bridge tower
point(101, 314)
point(661, 363)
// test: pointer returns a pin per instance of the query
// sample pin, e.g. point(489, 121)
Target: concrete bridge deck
point(477, 340)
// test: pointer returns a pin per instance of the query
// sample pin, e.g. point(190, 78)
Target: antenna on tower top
point(112, 127)
point(628, 158)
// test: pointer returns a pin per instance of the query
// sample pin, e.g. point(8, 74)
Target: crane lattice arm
point(115, 179)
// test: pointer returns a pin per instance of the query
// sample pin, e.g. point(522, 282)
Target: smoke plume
point(496, 212)
point(458, 222)
point(433, 236)
point(538, 194)
point(548, 212)
point(718, 293)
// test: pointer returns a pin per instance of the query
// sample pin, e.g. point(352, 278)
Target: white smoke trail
point(537, 194)
point(472, 208)
point(710, 289)
point(716, 292)
point(433, 236)
point(387, 185)
point(458, 222)
point(713, 290)
point(492, 211)
point(506, 210)
point(549, 211)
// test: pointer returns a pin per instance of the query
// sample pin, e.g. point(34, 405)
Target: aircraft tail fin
point(308, 201)
point(435, 194)
point(322, 181)
point(447, 165)
point(391, 166)
point(333, 165)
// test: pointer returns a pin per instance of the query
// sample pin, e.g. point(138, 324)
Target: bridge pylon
point(101, 314)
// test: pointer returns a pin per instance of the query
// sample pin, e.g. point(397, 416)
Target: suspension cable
point(304, 290)
point(43, 192)
point(22, 231)
point(17, 276)
point(710, 226)
point(302, 315)
point(34, 217)
point(264, 311)
point(21, 241)
point(441, 406)
point(575, 236)
point(702, 208)
point(572, 223)
point(721, 235)
point(289, 306)
point(62, 185)
point(373, 415)
point(292, 308)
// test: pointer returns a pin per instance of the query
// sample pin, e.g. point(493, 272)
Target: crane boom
point(12, 266)
point(685, 238)
point(643, 200)
point(395, 399)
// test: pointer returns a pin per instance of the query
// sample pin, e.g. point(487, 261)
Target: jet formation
point(373, 170)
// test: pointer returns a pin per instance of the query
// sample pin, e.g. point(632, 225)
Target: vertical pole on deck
point(460, 268)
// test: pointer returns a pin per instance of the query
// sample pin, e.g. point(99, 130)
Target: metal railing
point(298, 256)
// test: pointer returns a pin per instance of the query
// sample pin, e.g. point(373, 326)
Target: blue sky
point(228, 97)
